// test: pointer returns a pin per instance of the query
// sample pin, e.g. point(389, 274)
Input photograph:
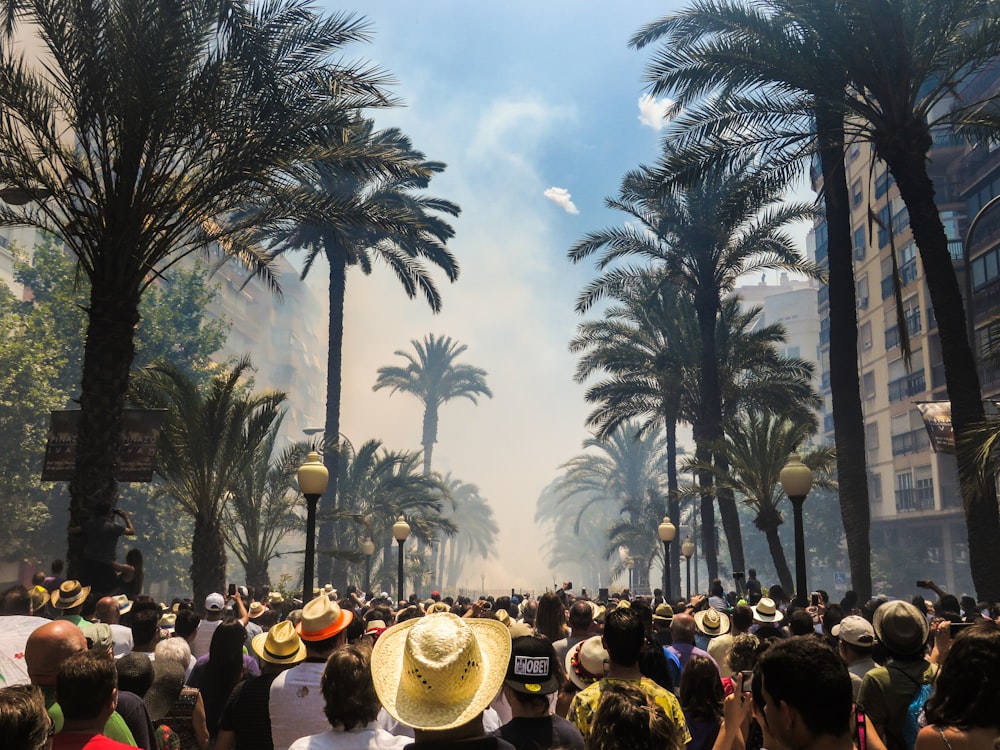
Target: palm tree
point(583, 550)
point(263, 506)
point(375, 217)
point(757, 448)
point(892, 70)
point(476, 531)
point(701, 237)
point(208, 440)
point(434, 378)
point(137, 141)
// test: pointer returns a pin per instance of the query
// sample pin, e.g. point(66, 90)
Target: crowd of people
point(250, 670)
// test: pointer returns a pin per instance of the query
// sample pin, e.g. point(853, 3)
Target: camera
point(747, 679)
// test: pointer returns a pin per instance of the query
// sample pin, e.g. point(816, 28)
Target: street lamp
point(630, 563)
point(687, 549)
point(667, 532)
point(368, 547)
point(312, 477)
point(796, 480)
point(400, 530)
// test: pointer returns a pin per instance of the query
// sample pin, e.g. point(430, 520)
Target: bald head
point(107, 610)
point(682, 628)
point(48, 647)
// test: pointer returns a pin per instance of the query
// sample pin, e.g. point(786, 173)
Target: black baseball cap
point(532, 667)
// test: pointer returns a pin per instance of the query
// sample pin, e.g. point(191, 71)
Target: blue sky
point(517, 98)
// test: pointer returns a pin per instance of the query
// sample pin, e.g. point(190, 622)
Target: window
point(868, 385)
point(865, 335)
point(874, 487)
point(871, 441)
point(883, 226)
point(861, 291)
point(882, 183)
point(856, 195)
point(860, 244)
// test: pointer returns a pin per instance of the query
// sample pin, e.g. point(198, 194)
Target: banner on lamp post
point(937, 420)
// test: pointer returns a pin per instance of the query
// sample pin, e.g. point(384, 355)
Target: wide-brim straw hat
point(70, 594)
point(663, 613)
point(279, 645)
point(323, 618)
point(256, 610)
point(440, 671)
point(766, 611)
point(901, 627)
point(124, 604)
point(586, 661)
point(712, 622)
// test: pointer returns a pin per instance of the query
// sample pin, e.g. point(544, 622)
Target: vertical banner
point(937, 420)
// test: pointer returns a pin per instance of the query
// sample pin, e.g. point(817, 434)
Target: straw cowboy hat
point(279, 645)
point(256, 610)
point(712, 622)
point(585, 662)
point(766, 611)
point(664, 614)
point(440, 671)
point(123, 603)
point(322, 619)
point(70, 594)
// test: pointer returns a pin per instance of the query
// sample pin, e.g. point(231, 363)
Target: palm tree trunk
point(845, 387)
point(257, 573)
point(107, 361)
point(770, 528)
point(208, 558)
point(982, 516)
point(706, 305)
point(673, 505)
point(730, 518)
point(704, 456)
point(429, 434)
point(328, 568)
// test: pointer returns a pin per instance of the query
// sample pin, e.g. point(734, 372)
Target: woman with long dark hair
point(550, 620)
point(701, 697)
point(224, 669)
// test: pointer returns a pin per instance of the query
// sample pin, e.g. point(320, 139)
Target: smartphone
point(815, 600)
point(747, 679)
point(232, 589)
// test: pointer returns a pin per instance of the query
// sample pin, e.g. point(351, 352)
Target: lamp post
point(630, 563)
point(400, 530)
point(368, 547)
point(312, 477)
point(687, 549)
point(667, 532)
point(796, 481)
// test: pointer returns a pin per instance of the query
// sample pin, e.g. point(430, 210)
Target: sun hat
point(279, 645)
point(597, 609)
point(375, 628)
point(901, 627)
point(502, 615)
point(323, 618)
point(440, 671)
point(168, 680)
point(438, 607)
point(854, 630)
point(168, 621)
point(532, 667)
point(124, 604)
point(70, 594)
point(712, 622)
point(663, 613)
point(135, 673)
point(766, 611)
point(585, 662)
point(275, 597)
point(214, 602)
point(39, 597)
point(256, 610)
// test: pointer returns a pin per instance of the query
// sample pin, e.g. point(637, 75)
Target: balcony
point(915, 499)
point(914, 441)
point(908, 385)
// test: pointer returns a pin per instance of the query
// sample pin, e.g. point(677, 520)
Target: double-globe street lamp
point(400, 531)
point(312, 477)
point(667, 532)
point(796, 481)
point(687, 549)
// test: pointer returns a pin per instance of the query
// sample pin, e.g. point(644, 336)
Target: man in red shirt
point(87, 691)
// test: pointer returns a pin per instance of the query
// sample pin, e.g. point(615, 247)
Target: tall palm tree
point(375, 216)
point(702, 237)
point(434, 378)
point(898, 68)
point(138, 139)
point(209, 438)
point(263, 505)
point(582, 551)
point(757, 448)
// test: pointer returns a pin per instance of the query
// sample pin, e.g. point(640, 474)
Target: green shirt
point(584, 705)
point(886, 694)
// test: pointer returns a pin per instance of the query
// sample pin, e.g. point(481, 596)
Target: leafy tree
point(151, 125)
point(377, 216)
point(580, 555)
point(209, 438)
point(434, 378)
point(702, 237)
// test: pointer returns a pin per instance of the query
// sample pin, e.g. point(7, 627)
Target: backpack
point(914, 719)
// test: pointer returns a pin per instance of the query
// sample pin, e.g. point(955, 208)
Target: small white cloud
point(562, 198)
point(652, 112)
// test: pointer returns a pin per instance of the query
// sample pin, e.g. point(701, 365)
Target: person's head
point(107, 611)
point(742, 618)
point(701, 689)
point(654, 665)
point(174, 649)
point(743, 654)
point(348, 689)
point(146, 629)
point(70, 597)
point(550, 617)
point(87, 687)
point(581, 616)
point(682, 628)
point(855, 638)
point(715, 589)
point(967, 692)
point(215, 604)
point(752, 573)
point(38, 579)
point(323, 625)
point(802, 691)
point(134, 558)
point(624, 635)
point(135, 673)
point(48, 647)
point(533, 673)
point(800, 622)
point(186, 624)
point(227, 642)
point(628, 718)
point(24, 722)
point(16, 601)
point(529, 611)
point(777, 594)
point(901, 628)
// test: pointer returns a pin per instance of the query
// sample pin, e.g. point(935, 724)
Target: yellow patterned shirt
point(584, 705)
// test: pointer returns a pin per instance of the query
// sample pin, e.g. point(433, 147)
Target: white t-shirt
point(370, 737)
point(296, 704)
point(203, 637)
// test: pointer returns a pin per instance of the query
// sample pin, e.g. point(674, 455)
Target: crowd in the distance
point(248, 670)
